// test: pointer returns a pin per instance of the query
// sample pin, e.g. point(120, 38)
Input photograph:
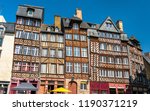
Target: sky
point(135, 14)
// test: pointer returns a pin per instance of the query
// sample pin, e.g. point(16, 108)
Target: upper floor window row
point(76, 37)
point(112, 47)
point(27, 35)
point(34, 51)
point(28, 21)
point(108, 35)
point(52, 38)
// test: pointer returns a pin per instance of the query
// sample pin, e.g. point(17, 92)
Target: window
point(1, 41)
point(34, 67)
point(116, 36)
point(68, 36)
point(30, 12)
point(27, 35)
point(44, 52)
point(117, 48)
point(110, 60)
point(118, 74)
point(84, 52)
point(18, 49)
point(60, 53)
point(60, 69)
point(83, 37)
point(52, 38)
point(124, 48)
point(126, 74)
point(37, 23)
point(20, 20)
point(110, 73)
point(52, 53)
point(69, 67)
point(60, 39)
point(103, 46)
point(103, 73)
point(75, 26)
point(44, 37)
point(108, 25)
point(103, 91)
point(35, 36)
point(125, 61)
point(76, 51)
point(103, 59)
point(25, 66)
point(17, 66)
point(34, 51)
point(68, 51)
point(43, 68)
point(118, 61)
point(77, 68)
point(83, 86)
point(76, 37)
point(109, 47)
point(29, 22)
point(84, 68)
point(26, 50)
point(53, 68)
point(18, 34)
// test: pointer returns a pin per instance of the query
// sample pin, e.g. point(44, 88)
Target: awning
point(25, 87)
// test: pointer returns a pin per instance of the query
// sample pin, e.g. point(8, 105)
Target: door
point(72, 86)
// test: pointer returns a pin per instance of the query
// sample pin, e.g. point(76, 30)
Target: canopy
point(25, 87)
point(61, 89)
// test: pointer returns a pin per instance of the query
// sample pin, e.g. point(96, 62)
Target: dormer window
point(56, 29)
point(48, 29)
point(108, 25)
point(93, 26)
point(75, 26)
point(30, 12)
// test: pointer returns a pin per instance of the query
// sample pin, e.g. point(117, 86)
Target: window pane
point(53, 68)
point(52, 53)
point(60, 53)
point(60, 39)
point(44, 52)
point(84, 52)
point(44, 37)
point(77, 68)
point(75, 26)
point(43, 68)
point(68, 51)
point(60, 69)
point(76, 51)
point(84, 68)
point(83, 37)
point(76, 37)
point(52, 38)
point(18, 49)
point(69, 67)
point(68, 36)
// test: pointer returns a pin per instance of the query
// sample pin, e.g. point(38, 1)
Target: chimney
point(79, 13)
point(57, 22)
point(120, 25)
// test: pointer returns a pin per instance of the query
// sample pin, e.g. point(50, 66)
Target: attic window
point(108, 25)
point(93, 26)
point(30, 12)
point(56, 29)
point(48, 29)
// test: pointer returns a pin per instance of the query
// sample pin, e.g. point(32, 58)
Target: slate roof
point(9, 27)
point(146, 58)
point(38, 11)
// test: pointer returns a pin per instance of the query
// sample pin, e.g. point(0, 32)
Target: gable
point(108, 25)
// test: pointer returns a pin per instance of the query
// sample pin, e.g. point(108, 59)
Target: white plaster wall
point(6, 57)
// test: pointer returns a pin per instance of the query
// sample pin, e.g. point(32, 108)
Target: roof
point(146, 58)
point(38, 11)
point(9, 27)
point(2, 19)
